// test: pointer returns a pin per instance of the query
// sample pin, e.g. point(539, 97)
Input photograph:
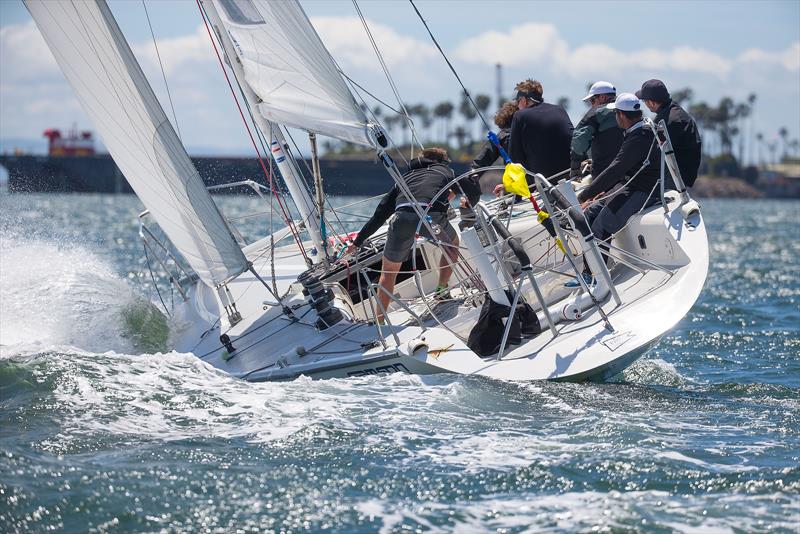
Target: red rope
point(268, 174)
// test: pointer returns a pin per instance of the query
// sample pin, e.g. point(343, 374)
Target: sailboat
point(287, 305)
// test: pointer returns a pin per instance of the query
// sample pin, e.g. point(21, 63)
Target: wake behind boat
point(289, 305)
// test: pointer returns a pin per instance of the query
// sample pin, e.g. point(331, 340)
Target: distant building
point(73, 144)
point(781, 180)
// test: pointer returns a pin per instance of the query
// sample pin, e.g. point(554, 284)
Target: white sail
point(97, 61)
point(290, 70)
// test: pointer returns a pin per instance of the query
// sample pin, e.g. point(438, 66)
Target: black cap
point(653, 90)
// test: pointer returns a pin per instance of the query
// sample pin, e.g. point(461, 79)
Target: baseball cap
point(653, 90)
point(626, 102)
point(600, 88)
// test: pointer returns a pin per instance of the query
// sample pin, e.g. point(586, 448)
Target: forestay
point(288, 67)
point(97, 61)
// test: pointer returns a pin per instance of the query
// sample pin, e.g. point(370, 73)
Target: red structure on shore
point(74, 144)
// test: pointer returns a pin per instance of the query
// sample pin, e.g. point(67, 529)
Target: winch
point(321, 300)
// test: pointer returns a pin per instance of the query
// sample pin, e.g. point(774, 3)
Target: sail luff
point(108, 81)
point(279, 150)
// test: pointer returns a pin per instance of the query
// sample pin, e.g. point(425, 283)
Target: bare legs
point(389, 270)
point(447, 260)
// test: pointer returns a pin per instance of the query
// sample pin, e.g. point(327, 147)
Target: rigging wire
point(286, 217)
point(163, 75)
point(342, 228)
point(351, 80)
point(414, 136)
point(155, 284)
point(452, 69)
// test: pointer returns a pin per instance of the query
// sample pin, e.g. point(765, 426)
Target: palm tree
point(483, 102)
point(389, 121)
point(760, 139)
point(683, 95)
point(702, 114)
point(724, 115)
point(422, 112)
point(742, 112)
point(444, 111)
point(784, 133)
point(468, 112)
point(461, 136)
point(751, 101)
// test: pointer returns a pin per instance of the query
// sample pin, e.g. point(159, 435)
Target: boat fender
point(416, 344)
point(571, 312)
point(690, 209)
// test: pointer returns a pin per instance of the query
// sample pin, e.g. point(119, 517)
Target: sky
point(731, 48)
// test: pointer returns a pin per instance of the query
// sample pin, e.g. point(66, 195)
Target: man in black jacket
point(636, 162)
point(540, 132)
point(426, 176)
point(636, 166)
point(681, 127)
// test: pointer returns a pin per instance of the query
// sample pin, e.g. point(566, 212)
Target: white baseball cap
point(626, 102)
point(600, 88)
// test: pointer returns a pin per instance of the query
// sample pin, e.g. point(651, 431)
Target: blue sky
point(717, 48)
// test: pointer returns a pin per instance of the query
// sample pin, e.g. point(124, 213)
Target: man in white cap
point(635, 166)
point(597, 131)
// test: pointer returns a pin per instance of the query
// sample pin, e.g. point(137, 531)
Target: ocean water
point(103, 428)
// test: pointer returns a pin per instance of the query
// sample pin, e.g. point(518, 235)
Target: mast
point(278, 147)
point(320, 191)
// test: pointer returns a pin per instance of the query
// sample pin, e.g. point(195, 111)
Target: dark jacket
point(424, 179)
point(637, 146)
point(685, 139)
point(598, 130)
point(540, 139)
point(489, 153)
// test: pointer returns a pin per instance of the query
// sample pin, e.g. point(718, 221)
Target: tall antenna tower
point(498, 69)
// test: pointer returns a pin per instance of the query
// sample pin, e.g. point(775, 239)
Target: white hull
point(270, 346)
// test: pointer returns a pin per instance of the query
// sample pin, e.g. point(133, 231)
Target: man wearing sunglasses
point(540, 132)
point(597, 133)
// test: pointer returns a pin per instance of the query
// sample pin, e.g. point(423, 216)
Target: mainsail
point(290, 70)
point(97, 61)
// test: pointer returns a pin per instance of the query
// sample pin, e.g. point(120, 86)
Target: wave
point(63, 294)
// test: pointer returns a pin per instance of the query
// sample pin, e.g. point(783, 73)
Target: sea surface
point(104, 428)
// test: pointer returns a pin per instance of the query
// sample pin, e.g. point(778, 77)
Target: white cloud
point(347, 42)
point(542, 44)
point(522, 45)
point(789, 59)
point(24, 54)
point(176, 52)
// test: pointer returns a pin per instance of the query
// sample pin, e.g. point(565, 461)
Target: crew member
point(635, 166)
point(597, 131)
point(427, 175)
point(489, 153)
point(682, 129)
point(540, 132)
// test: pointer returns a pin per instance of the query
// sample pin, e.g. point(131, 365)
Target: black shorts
point(403, 229)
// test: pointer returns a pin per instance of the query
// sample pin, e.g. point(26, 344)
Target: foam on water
point(702, 435)
point(56, 293)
